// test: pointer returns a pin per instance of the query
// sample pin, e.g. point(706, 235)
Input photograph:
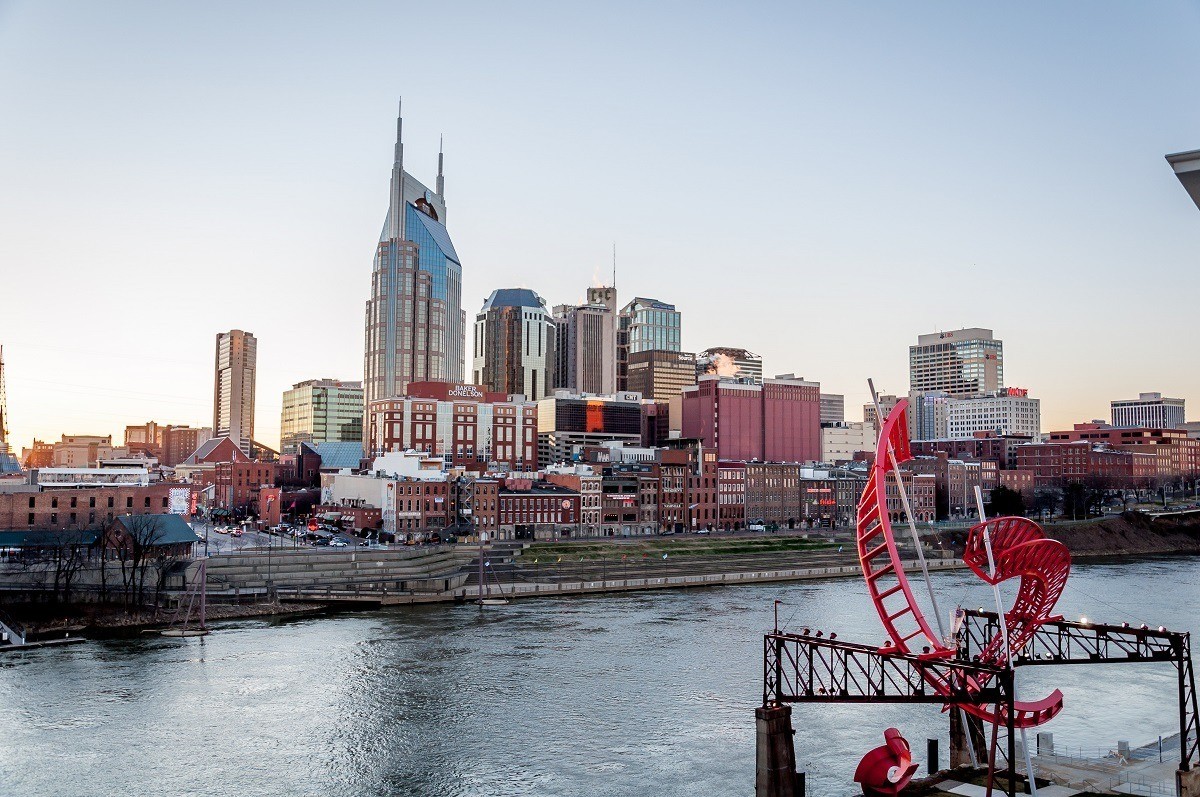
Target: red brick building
point(777, 421)
point(80, 507)
point(730, 495)
point(982, 446)
point(1056, 463)
point(471, 427)
point(587, 484)
point(1175, 454)
point(238, 484)
point(536, 510)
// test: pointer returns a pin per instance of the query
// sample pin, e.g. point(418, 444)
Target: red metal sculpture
point(1020, 550)
point(887, 769)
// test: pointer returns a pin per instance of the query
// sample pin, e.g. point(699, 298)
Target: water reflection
point(626, 695)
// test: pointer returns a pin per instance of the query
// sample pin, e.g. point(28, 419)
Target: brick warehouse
point(28, 507)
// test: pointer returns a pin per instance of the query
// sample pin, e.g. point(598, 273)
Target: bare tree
point(135, 539)
point(62, 554)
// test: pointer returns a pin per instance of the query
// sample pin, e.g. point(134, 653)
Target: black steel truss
point(805, 668)
point(802, 668)
point(1080, 642)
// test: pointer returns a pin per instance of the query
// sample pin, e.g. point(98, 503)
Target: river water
point(636, 694)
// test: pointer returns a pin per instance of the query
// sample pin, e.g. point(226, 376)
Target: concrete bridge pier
point(960, 754)
point(775, 759)
point(1187, 784)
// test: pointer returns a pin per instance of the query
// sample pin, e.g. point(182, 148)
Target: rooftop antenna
point(441, 180)
point(396, 200)
point(614, 265)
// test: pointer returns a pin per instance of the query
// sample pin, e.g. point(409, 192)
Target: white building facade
point(1148, 410)
point(1006, 412)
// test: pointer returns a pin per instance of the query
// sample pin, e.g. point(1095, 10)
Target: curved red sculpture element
point(1020, 548)
point(887, 769)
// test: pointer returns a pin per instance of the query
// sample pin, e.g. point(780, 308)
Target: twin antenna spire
point(399, 156)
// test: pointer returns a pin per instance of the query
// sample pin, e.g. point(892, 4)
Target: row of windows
point(92, 502)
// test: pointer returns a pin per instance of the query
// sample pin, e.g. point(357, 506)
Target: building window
point(92, 502)
point(147, 502)
point(110, 504)
point(31, 505)
point(53, 518)
point(31, 518)
point(54, 503)
point(129, 502)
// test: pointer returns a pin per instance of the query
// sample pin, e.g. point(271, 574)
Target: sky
point(816, 182)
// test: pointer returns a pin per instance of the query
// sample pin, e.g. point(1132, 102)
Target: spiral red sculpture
point(1020, 550)
point(886, 770)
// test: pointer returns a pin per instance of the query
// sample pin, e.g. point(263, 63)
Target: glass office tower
point(415, 328)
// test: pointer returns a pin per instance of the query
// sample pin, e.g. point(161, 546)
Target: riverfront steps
point(433, 569)
point(432, 574)
point(365, 595)
point(762, 576)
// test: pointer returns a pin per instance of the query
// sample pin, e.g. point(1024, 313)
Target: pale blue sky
point(819, 183)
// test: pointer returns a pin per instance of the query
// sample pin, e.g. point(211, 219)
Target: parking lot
point(225, 539)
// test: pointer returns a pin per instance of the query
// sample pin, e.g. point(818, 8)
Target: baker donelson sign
point(465, 391)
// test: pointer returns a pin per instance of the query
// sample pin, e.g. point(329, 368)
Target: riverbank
point(1131, 533)
point(98, 621)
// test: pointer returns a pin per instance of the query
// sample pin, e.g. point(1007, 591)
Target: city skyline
point(1024, 201)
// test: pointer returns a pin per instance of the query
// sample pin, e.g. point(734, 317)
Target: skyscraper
point(962, 362)
point(233, 387)
point(321, 411)
point(415, 326)
point(585, 352)
point(644, 325)
point(514, 344)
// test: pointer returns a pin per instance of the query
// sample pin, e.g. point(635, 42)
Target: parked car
point(338, 544)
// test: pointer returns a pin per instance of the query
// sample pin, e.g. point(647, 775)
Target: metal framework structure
point(1061, 641)
point(1021, 550)
point(807, 668)
point(972, 667)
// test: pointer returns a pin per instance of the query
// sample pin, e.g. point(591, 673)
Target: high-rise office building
point(887, 403)
point(962, 363)
point(1007, 412)
point(833, 408)
point(660, 375)
point(568, 422)
point(730, 362)
point(321, 411)
point(645, 324)
point(1150, 410)
point(929, 414)
point(233, 387)
point(585, 352)
point(514, 344)
point(415, 325)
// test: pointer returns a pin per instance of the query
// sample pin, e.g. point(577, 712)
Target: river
point(637, 694)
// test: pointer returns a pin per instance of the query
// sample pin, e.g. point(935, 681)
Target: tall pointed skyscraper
point(415, 325)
